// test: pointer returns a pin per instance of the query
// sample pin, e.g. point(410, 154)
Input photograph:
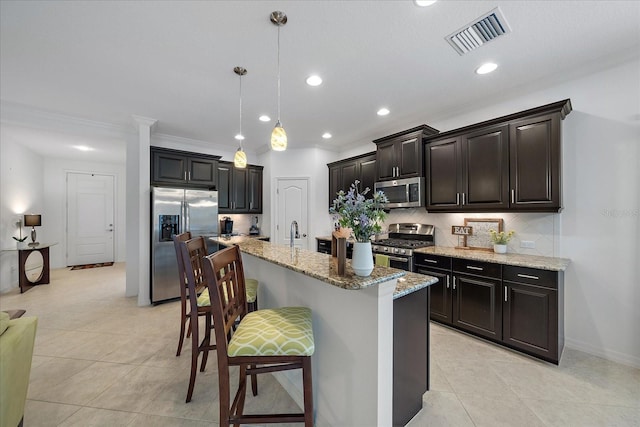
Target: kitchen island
point(370, 367)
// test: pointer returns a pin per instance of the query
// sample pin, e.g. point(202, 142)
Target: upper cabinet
point(344, 172)
point(239, 189)
point(174, 167)
point(400, 155)
point(509, 163)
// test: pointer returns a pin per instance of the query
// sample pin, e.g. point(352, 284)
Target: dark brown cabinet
point(400, 155)
point(519, 307)
point(477, 290)
point(533, 311)
point(508, 163)
point(239, 189)
point(345, 172)
point(174, 167)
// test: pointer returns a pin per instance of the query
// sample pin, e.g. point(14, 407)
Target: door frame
point(274, 219)
point(116, 225)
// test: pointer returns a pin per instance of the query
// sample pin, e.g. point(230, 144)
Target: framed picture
point(481, 239)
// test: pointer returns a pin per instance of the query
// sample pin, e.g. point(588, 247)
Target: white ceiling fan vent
point(482, 30)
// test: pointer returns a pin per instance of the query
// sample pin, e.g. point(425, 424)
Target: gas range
point(403, 239)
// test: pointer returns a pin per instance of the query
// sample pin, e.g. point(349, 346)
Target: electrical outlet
point(529, 244)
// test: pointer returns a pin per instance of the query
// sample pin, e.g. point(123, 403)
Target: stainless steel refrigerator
point(174, 211)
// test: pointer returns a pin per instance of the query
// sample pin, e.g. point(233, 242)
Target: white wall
point(21, 191)
point(55, 197)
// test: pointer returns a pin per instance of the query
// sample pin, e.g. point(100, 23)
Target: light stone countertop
point(517, 260)
point(323, 267)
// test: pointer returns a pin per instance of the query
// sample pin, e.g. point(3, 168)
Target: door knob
point(304, 235)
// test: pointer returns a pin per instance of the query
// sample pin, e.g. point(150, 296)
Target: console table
point(33, 264)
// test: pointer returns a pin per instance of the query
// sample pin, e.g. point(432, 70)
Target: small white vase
point(500, 249)
point(362, 259)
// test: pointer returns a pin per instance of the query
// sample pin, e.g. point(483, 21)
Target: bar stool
point(264, 341)
point(252, 292)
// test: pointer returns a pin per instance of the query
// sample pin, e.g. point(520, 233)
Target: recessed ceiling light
point(383, 112)
point(326, 135)
point(424, 3)
point(83, 148)
point(239, 137)
point(486, 68)
point(314, 80)
point(264, 118)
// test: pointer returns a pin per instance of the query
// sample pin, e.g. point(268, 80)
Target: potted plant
point(500, 240)
point(364, 217)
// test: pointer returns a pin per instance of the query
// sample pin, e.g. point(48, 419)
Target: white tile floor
point(100, 360)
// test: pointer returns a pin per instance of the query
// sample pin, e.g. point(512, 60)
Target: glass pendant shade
point(240, 159)
point(278, 138)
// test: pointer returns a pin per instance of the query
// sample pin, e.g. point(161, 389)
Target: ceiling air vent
point(482, 30)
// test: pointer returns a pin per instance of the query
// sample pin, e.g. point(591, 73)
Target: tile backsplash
point(242, 222)
point(540, 228)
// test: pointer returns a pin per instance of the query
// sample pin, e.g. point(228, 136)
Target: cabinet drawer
point(531, 276)
point(432, 261)
point(477, 268)
point(324, 246)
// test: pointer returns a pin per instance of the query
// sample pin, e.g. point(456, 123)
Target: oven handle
point(394, 258)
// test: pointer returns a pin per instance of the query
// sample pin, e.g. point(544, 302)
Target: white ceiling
point(173, 61)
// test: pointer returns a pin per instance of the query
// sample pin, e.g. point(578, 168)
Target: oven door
point(401, 262)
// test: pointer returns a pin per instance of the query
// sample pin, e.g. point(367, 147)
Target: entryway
point(90, 218)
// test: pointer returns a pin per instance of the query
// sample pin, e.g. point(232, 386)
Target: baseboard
point(614, 356)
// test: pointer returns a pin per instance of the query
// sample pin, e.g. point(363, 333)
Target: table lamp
point(33, 221)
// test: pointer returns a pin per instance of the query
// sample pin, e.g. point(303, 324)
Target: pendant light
point(278, 136)
point(240, 159)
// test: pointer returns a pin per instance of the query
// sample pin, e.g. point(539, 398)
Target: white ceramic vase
point(362, 259)
point(500, 249)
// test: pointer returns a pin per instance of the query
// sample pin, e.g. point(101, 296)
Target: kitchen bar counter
point(371, 360)
point(518, 260)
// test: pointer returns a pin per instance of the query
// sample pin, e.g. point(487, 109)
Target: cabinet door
point(239, 195)
point(386, 160)
point(485, 169)
point(169, 168)
point(443, 174)
point(368, 174)
point(440, 295)
point(224, 187)
point(350, 173)
point(335, 183)
point(530, 319)
point(202, 171)
point(410, 157)
point(255, 190)
point(477, 305)
point(534, 147)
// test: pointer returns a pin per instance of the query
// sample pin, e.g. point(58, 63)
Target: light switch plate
point(529, 244)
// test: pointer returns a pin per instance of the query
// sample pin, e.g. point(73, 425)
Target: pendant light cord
point(241, 112)
point(278, 74)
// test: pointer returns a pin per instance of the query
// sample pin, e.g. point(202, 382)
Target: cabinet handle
point(457, 199)
point(189, 176)
point(447, 282)
point(528, 276)
point(505, 294)
point(463, 201)
point(513, 196)
point(471, 267)
point(185, 175)
point(454, 283)
point(431, 261)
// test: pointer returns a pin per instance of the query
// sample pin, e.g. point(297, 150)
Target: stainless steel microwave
point(402, 193)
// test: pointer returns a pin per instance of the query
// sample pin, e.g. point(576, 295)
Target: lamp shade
point(33, 220)
point(278, 138)
point(240, 159)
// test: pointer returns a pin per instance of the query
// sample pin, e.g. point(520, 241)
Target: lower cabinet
point(324, 246)
point(519, 307)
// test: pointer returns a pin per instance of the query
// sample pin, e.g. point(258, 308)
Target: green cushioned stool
point(251, 291)
point(264, 341)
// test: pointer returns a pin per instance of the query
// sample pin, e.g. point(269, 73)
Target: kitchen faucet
point(294, 227)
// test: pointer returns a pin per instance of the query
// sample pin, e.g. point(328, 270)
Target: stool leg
point(206, 342)
point(194, 363)
point(182, 330)
point(308, 391)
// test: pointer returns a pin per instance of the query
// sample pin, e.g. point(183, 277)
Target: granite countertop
point(323, 267)
point(518, 260)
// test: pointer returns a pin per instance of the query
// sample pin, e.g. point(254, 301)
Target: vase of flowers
point(364, 217)
point(500, 240)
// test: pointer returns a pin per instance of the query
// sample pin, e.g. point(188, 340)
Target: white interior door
point(90, 225)
point(292, 205)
